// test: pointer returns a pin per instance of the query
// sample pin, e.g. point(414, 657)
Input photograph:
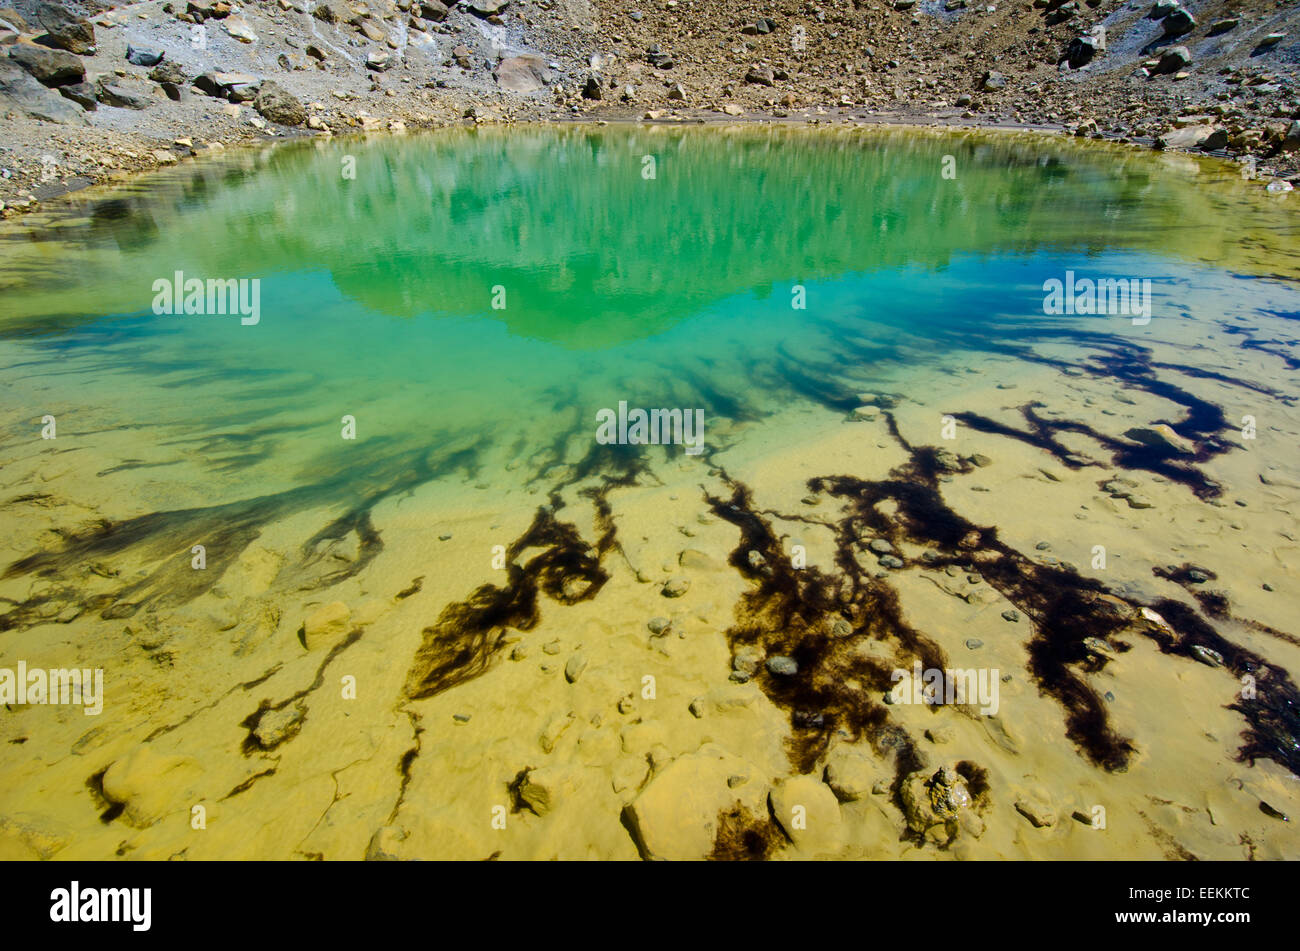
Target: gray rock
point(1211, 658)
point(782, 666)
point(574, 668)
point(116, 94)
point(237, 87)
point(277, 104)
point(168, 72)
point(22, 90)
point(83, 94)
point(522, 74)
point(658, 625)
point(992, 81)
point(332, 11)
point(1161, 436)
point(486, 8)
point(675, 587)
point(50, 67)
point(65, 29)
point(592, 89)
point(747, 659)
point(890, 561)
point(1174, 59)
point(1080, 51)
point(139, 57)
point(433, 10)
point(659, 59)
point(760, 77)
point(1179, 22)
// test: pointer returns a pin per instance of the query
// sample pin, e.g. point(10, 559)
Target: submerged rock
point(675, 587)
point(1161, 436)
point(782, 666)
point(676, 816)
point(808, 811)
point(326, 625)
point(1039, 814)
point(934, 799)
point(850, 773)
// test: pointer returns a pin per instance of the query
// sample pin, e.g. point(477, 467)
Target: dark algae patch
point(816, 617)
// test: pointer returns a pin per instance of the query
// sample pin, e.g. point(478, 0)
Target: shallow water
point(472, 300)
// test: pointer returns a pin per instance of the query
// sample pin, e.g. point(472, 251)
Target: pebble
point(974, 643)
point(697, 708)
point(675, 587)
point(782, 666)
point(1211, 658)
point(1011, 615)
point(658, 625)
point(574, 668)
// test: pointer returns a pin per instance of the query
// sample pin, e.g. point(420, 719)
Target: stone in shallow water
point(326, 625)
point(809, 812)
point(850, 773)
point(1211, 658)
point(676, 816)
point(1040, 814)
point(575, 666)
point(675, 587)
point(782, 666)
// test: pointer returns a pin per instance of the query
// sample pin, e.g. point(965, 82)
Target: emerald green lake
point(488, 292)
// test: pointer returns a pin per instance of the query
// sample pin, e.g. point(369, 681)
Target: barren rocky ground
point(89, 91)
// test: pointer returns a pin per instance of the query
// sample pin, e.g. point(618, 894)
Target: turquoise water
point(678, 290)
